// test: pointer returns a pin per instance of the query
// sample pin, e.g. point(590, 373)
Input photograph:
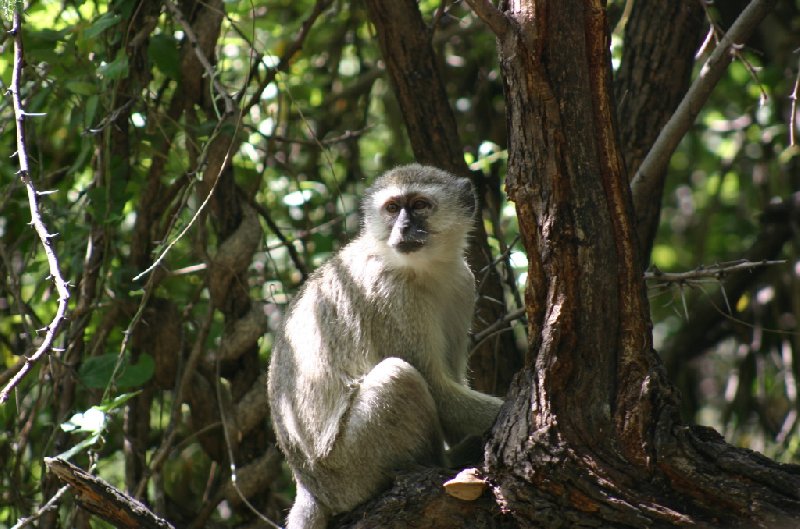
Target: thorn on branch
point(33, 205)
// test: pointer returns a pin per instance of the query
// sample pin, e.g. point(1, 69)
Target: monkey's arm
point(464, 411)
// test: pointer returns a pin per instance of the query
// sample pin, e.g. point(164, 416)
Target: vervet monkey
point(368, 375)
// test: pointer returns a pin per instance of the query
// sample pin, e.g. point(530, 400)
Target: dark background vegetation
point(156, 378)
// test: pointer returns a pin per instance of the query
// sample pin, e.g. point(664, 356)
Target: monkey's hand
point(464, 412)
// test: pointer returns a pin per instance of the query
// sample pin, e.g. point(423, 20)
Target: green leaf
point(96, 372)
point(80, 447)
point(101, 24)
point(45, 39)
point(90, 110)
point(98, 204)
point(117, 402)
point(116, 68)
point(83, 88)
point(138, 374)
point(163, 52)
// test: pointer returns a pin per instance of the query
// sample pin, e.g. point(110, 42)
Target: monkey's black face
point(406, 216)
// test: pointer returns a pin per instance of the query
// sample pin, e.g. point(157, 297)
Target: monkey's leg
point(392, 423)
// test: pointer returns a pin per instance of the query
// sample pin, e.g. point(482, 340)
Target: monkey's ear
point(466, 193)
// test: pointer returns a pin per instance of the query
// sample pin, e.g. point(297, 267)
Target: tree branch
point(793, 108)
point(100, 498)
point(418, 499)
point(657, 159)
point(159, 457)
point(702, 326)
point(198, 51)
point(51, 504)
point(654, 74)
point(492, 17)
point(295, 46)
point(285, 242)
point(33, 205)
point(717, 271)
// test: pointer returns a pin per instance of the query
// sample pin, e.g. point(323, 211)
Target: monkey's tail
point(307, 512)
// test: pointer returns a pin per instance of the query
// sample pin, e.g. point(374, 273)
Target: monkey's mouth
point(406, 247)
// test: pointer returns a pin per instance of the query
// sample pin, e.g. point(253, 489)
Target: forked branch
point(659, 155)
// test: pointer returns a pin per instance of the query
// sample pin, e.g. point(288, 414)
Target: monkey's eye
point(420, 204)
point(392, 207)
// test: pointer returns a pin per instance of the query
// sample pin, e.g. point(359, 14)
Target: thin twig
point(285, 242)
point(186, 228)
point(319, 7)
point(491, 266)
point(502, 323)
point(51, 504)
point(441, 11)
point(224, 416)
point(716, 33)
point(793, 108)
point(717, 271)
point(659, 155)
point(706, 45)
point(33, 205)
point(298, 236)
point(181, 390)
point(346, 136)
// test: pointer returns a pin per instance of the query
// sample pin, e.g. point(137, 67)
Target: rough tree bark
point(590, 434)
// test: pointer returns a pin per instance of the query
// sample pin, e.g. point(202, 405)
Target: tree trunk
point(590, 434)
point(603, 442)
point(652, 79)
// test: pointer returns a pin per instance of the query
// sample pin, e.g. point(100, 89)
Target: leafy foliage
point(129, 139)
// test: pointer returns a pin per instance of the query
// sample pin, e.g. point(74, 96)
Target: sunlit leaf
point(117, 402)
point(92, 420)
